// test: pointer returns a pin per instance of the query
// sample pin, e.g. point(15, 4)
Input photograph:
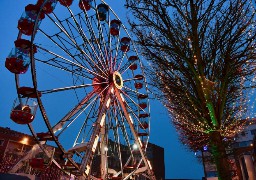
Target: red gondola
point(18, 60)
point(28, 18)
point(132, 60)
point(85, 4)
point(48, 7)
point(22, 115)
point(143, 105)
point(142, 134)
point(138, 81)
point(24, 45)
point(23, 111)
point(114, 27)
point(16, 65)
point(144, 115)
point(143, 101)
point(144, 125)
point(41, 161)
point(142, 96)
point(66, 3)
point(125, 44)
point(102, 11)
point(26, 27)
point(32, 11)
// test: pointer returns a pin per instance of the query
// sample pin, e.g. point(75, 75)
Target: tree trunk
point(219, 156)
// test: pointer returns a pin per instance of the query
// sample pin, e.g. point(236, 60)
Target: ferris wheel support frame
point(91, 148)
point(137, 140)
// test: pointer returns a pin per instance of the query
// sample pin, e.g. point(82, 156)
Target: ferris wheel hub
point(118, 80)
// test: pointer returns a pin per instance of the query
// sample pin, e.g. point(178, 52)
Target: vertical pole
point(103, 154)
point(203, 159)
point(242, 166)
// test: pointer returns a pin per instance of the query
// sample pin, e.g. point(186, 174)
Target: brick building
point(14, 145)
point(14, 142)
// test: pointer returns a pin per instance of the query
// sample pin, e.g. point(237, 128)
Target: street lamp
point(135, 146)
point(24, 140)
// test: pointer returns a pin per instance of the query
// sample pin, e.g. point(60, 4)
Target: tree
point(202, 59)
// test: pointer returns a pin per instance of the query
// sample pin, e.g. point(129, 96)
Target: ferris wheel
point(89, 84)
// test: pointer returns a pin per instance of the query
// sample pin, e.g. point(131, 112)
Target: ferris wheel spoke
point(136, 104)
point(67, 62)
point(126, 137)
point(123, 128)
point(131, 90)
point(72, 112)
point(73, 43)
point(117, 139)
point(73, 72)
point(62, 47)
point(125, 67)
point(121, 61)
point(76, 45)
point(66, 50)
point(101, 31)
point(131, 79)
point(71, 88)
point(86, 40)
point(87, 101)
point(84, 124)
point(94, 38)
point(90, 21)
point(126, 130)
point(71, 121)
point(116, 50)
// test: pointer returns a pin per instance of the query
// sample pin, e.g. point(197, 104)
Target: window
point(253, 132)
point(1, 142)
point(243, 133)
point(245, 143)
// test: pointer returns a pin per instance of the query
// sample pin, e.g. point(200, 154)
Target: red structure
point(85, 4)
point(48, 7)
point(66, 2)
point(13, 146)
point(125, 44)
point(102, 11)
point(114, 27)
point(132, 60)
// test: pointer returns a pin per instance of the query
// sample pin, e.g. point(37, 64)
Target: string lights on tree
point(202, 61)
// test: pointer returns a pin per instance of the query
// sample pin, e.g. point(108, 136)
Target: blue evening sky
point(179, 162)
